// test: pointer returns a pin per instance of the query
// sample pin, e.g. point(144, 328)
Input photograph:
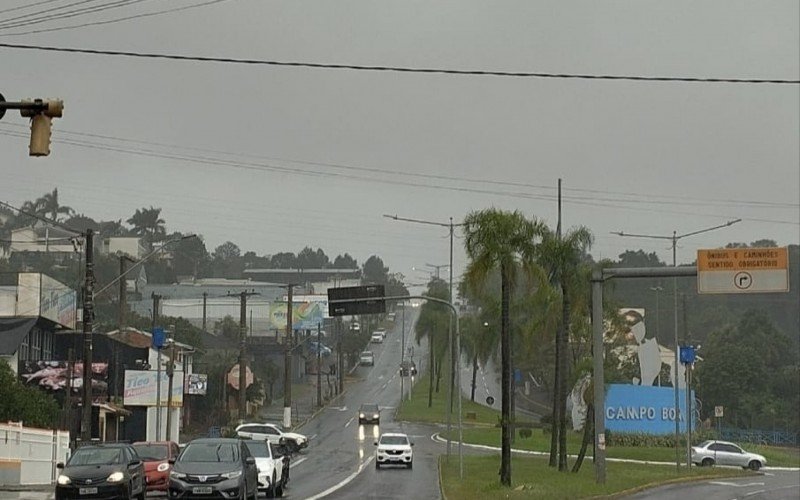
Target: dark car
point(408, 368)
point(156, 456)
point(108, 470)
point(369, 414)
point(214, 468)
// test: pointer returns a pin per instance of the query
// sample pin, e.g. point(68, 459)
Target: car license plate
point(201, 490)
point(88, 491)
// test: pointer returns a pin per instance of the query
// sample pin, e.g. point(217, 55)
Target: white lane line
point(298, 462)
point(349, 422)
point(343, 482)
point(754, 493)
point(737, 485)
point(312, 437)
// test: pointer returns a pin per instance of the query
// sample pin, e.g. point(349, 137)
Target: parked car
point(107, 470)
point(314, 346)
point(355, 326)
point(391, 316)
point(394, 448)
point(272, 433)
point(216, 468)
point(156, 456)
point(710, 453)
point(270, 467)
point(366, 358)
point(369, 414)
point(377, 338)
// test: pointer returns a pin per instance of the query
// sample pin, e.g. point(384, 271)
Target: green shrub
point(525, 433)
point(650, 440)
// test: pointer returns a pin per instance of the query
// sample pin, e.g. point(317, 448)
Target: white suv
point(394, 448)
point(272, 433)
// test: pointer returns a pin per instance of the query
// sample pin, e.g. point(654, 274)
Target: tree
point(374, 271)
point(311, 259)
point(345, 262)
point(433, 324)
point(562, 257)
point(283, 260)
point(147, 223)
point(26, 404)
point(48, 205)
point(638, 258)
point(504, 240)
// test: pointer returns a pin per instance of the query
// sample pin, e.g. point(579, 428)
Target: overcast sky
point(276, 158)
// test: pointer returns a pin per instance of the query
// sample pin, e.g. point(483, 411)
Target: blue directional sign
point(687, 354)
point(159, 337)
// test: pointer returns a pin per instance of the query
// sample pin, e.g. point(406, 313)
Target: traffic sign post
point(743, 270)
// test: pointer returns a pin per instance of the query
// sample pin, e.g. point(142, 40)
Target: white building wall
point(30, 455)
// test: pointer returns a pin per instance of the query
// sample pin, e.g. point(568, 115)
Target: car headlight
point(176, 475)
point(116, 477)
point(232, 475)
point(162, 467)
point(360, 415)
point(375, 416)
point(63, 480)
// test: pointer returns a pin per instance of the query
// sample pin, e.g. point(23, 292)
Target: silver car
point(709, 453)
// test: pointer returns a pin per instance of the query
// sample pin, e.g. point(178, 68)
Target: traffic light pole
point(287, 362)
point(88, 316)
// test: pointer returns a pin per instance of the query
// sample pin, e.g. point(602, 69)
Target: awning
point(13, 332)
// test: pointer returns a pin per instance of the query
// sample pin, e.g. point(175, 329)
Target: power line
point(400, 69)
point(21, 7)
point(117, 20)
point(54, 15)
point(647, 198)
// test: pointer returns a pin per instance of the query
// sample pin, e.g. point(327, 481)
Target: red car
point(156, 456)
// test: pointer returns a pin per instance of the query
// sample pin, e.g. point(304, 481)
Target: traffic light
point(41, 113)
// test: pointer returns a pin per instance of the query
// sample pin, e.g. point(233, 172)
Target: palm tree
point(504, 240)
point(432, 324)
point(148, 223)
point(48, 205)
point(562, 256)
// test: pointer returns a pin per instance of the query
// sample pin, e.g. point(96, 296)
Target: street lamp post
point(674, 239)
point(453, 349)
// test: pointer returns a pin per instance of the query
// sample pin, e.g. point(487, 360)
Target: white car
point(710, 453)
point(394, 448)
point(377, 338)
point(366, 358)
point(272, 433)
point(270, 467)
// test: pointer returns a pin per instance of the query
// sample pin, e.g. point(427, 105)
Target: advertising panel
point(54, 376)
point(140, 388)
point(196, 383)
point(305, 315)
point(642, 409)
point(40, 295)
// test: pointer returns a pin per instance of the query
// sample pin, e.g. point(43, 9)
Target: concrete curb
point(441, 483)
point(27, 487)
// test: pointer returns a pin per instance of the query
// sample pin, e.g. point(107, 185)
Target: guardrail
point(759, 436)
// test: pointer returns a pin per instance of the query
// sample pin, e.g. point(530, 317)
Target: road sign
point(158, 337)
point(687, 354)
point(743, 270)
point(354, 300)
point(718, 411)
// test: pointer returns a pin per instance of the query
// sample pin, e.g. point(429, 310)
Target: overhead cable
point(399, 69)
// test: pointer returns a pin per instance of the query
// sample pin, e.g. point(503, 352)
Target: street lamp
point(453, 352)
point(674, 238)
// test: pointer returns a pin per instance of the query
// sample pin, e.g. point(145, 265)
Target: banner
point(41, 295)
point(305, 315)
point(54, 376)
point(140, 388)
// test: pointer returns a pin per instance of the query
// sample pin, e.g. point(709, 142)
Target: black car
point(369, 414)
point(108, 470)
point(214, 468)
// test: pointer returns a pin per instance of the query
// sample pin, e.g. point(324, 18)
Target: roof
point(12, 332)
point(215, 440)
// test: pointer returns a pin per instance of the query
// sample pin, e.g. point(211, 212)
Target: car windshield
point(152, 451)
point(96, 456)
point(258, 449)
point(704, 444)
point(369, 408)
point(394, 440)
point(210, 452)
point(367, 354)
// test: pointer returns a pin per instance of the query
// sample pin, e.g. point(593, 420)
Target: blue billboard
point(644, 409)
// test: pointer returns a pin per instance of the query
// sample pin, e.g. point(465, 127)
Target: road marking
point(754, 492)
point(735, 485)
point(298, 462)
point(344, 481)
point(349, 422)
point(312, 437)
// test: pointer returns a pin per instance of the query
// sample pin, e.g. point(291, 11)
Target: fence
point(757, 436)
point(29, 456)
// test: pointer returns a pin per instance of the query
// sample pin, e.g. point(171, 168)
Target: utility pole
point(657, 289)
point(243, 354)
point(170, 375)
point(437, 268)
point(675, 379)
point(450, 341)
point(287, 362)
point(156, 302)
point(88, 316)
point(403, 352)
point(340, 368)
point(205, 300)
point(319, 365)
